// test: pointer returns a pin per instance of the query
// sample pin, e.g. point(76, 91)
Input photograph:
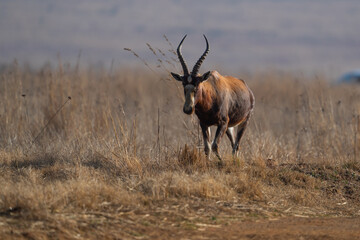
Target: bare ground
point(247, 223)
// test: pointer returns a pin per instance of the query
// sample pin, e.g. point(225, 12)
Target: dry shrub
point(247, 187)
point(304, 197)
point(94, 194)
point(258, 169)
point(25, 194)
point(297, 179)
point(87, 192)
point(191, 160)
point(117, 141)
point(180, 184)
point(57, 173)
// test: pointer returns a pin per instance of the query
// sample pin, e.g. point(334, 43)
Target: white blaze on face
point(189, 79)
point(189, 97)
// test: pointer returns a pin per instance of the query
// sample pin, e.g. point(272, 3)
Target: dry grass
point(122, 145)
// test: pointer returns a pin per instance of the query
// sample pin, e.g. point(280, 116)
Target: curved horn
point(183, 63)
point(201, 59)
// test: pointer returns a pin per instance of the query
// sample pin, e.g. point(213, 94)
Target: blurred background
point(307, 35)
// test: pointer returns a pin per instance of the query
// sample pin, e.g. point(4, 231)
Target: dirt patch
point(174, 226)
point(289, 228)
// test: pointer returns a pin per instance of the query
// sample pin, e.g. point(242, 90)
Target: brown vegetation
point(120, 159)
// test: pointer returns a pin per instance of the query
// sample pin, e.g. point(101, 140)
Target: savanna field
point(97, 153)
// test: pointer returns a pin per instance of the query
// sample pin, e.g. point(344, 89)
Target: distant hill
point(307, 35)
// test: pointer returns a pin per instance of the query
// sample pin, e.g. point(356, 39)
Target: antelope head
point(191, 80)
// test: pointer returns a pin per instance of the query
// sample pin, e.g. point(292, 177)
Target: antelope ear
point(205, 76)
point(176, 76)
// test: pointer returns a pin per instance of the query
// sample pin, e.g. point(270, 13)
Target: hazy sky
point(249, 34)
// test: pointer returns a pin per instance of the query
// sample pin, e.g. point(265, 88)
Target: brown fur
point(224, 101)
point(222, 97)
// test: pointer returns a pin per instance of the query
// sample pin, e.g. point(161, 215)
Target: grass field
point(108, 154)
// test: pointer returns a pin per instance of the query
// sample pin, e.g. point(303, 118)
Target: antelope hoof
point(214, 148)
point(235, 153)
point(207, 154)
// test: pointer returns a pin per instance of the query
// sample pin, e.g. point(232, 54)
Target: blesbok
point(224, 101)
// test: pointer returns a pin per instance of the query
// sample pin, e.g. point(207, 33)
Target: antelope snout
point(189, 105)
point(188, 109)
